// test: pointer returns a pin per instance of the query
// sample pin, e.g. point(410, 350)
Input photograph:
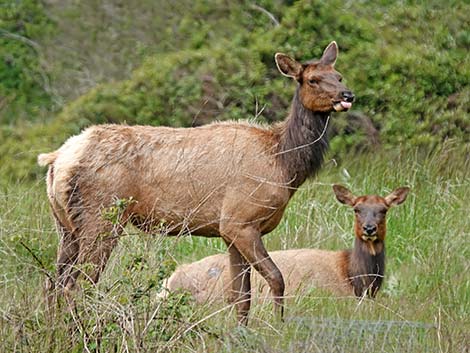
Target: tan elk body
point(231, 180)
point(358, 271)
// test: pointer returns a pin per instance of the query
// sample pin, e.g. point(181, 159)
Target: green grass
point(423, 307)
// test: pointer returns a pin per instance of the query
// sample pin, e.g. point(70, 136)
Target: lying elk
point(357, 272)
point(231, 179)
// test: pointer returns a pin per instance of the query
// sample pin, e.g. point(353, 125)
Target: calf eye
point(312, 81)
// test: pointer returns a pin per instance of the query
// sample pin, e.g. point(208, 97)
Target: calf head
point(370, 211)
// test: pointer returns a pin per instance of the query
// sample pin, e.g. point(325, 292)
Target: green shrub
point(407, 63)
point(410, 77)
point(24, 82)
point(178, 89)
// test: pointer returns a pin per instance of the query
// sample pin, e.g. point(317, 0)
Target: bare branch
point(266, 12)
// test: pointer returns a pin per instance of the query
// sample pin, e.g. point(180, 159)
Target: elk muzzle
point(369, 232)
point(345, 102)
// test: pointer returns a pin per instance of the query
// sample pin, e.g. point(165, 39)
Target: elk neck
point(302, 143)
point(366, 266)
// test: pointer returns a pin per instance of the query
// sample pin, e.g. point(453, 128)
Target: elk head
point(321, 89)
point(370, 211)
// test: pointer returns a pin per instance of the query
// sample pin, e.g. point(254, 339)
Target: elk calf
point(358, 271)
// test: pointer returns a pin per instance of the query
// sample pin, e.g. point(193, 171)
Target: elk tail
point(45, 159)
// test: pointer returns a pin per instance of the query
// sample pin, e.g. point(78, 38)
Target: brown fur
point(347, 272)
point(209, 279)
point(232, 180)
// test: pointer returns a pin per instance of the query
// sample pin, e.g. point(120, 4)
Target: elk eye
point(312, 81)
point(340, 79)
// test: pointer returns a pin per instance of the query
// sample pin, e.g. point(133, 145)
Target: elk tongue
point(346, 105)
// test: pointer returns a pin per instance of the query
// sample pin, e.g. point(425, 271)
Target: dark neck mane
point(302, 142)
point(366, 270)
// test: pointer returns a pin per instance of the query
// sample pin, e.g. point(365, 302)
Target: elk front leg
point(254, 251)
point(240, 271)
point(248, 242)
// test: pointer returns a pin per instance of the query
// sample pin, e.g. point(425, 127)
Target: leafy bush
point(410, 78)
point(408, 67)
point(24, 82)
point(407, 64)
point(178, 89)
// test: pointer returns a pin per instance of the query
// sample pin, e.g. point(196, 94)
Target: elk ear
point(330, 54)
point(344, 195)
point(397, 196)
point(288, 66)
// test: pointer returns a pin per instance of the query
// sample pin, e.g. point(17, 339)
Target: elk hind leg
point(97, 241)
point(67, 255)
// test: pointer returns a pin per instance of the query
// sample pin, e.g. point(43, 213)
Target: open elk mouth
point(371, 238)
point(341, 105)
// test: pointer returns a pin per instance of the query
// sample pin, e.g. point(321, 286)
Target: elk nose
point(348, 96)
point(370, 229)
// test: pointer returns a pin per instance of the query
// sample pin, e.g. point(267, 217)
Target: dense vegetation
point(156, 63)
point(24, 81)
point(68, 64)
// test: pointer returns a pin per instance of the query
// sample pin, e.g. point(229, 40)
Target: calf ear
point(344, 195)
point(288, 66)
point(397, 196)
point(330, 54)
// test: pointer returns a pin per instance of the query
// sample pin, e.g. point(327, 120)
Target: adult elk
point(231, 179)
